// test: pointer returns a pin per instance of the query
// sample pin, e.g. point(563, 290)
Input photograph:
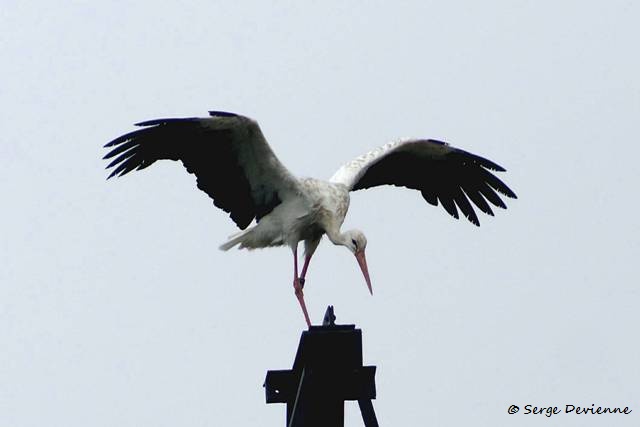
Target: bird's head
point(356, 242)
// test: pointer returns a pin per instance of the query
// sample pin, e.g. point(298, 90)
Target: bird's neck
point(336, 237)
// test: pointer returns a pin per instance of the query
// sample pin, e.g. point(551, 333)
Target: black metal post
point(327, 371)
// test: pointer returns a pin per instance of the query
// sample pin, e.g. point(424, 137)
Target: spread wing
point(442, 173)
point(226, 152)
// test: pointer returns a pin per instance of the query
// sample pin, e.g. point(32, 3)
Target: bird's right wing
point(228, 154)
point(439, 171)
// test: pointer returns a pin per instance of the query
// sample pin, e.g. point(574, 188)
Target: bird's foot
point(297, 286)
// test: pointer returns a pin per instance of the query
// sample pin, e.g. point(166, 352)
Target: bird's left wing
point(228, 154)
point(441, 172)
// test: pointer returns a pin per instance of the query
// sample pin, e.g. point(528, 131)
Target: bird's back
point(330, 201)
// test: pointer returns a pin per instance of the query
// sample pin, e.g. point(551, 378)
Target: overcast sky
point(118, 309)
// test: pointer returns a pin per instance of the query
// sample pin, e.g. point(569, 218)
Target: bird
point(236, 167)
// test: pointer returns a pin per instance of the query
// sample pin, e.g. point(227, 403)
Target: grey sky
point(110, 314)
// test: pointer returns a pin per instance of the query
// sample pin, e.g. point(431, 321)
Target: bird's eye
point(354, 243)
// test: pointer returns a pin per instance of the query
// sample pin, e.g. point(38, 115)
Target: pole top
point(329, 317)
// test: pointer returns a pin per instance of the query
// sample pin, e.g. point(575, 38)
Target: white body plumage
point(318, 208)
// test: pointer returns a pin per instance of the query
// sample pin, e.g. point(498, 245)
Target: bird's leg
point(298, 287)
point(307, 259)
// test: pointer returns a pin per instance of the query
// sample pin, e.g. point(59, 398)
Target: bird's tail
point(234, 240)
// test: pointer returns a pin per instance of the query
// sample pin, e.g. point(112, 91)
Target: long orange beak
point(362, 262)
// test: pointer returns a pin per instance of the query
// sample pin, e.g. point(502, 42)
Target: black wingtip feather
point(487, 163)
point(432, 199)
point(497, 184)
point(491, 195)
point(466, 207)
point(111, 175)
point(167, 121)
point(122, 138)
point(123, 157)
point(222, 114)
point(120, 149)
point(147, 123)
point(448, 205)
point(478, 200)
point(116, 141)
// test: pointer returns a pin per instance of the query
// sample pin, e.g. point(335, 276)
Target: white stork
point(235, 166)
